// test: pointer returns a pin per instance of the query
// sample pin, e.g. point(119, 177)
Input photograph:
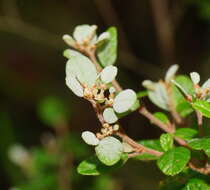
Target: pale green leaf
point(171, 72)
point(69, 40)
point(124, 101)
point(108, 74)
point(195, 77)
point(74, 85)
point(107, 52)
point(174, 161)
point(206, 84)
point(69, 53)
point(109, 115)
point(90, 138)
point(159, 96)
point(82, 68)
point(109, 150)
point(83, 32)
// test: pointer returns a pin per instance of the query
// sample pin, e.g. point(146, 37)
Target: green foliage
point(109, 115)
point(162, 117)
point(166, 141)
point(53, 111)
point(159, 96)
point(203, 107)
point(109, 151)
point(92, 166)
point(196, 184)
point(108, 74)
point(185, 83)
point(80, 67)
point(153, 144)
point(201, 144)
point(174, 161)
point(186, 133)
point(107, 52)
point(124, 101)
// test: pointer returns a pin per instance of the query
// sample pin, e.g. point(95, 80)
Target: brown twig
point(200, 122)
point(165, 127)
point(139, 148)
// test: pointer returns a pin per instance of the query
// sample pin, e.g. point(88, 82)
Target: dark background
point(152, 36)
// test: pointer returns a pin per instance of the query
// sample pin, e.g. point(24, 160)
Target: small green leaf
point(109, 115)
point(108, 74)
point(69, 53)
point(161, 116)
point(174, 161)
point(159, 96)
point(166, 141)
point(185, 82)
point(124, 101)
point(171, 72)
point(83, 32)
point(195, 77)
point(186, 133)
point(201, 144)
point(109, 150)
point(196, 184)
point(142, 94)
point(90, 138)
point(82, 68)
point(92, 166)
point(202, 106)
point(107, 52)
point(153, 144)
point(184, 108)
point(53, 111)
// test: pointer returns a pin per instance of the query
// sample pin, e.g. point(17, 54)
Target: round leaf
point(124, 101)
point(90, 138)
point(109, 150)
point(108, 74)
point(82, 68)
point(174, 161)
point(195, 77)
point(109, 115)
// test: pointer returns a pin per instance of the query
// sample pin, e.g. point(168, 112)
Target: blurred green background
point(152, 36)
